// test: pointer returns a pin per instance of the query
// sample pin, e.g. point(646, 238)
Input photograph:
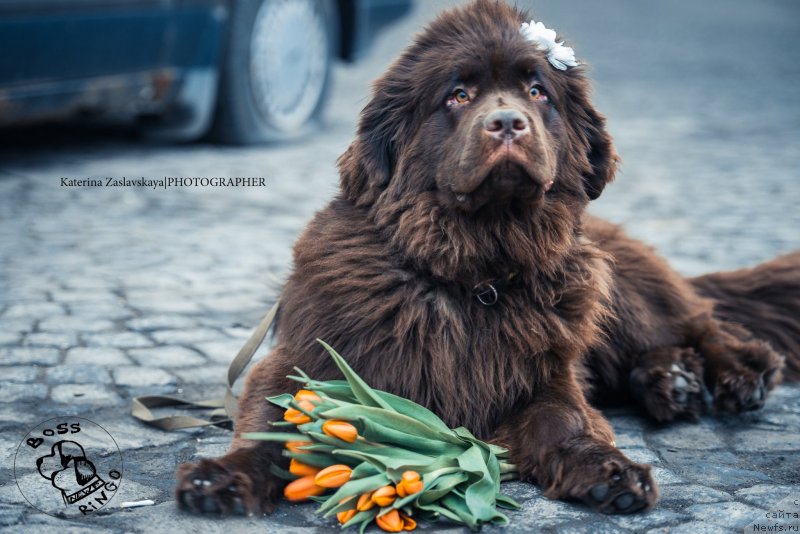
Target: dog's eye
point(537, 93)
point(459, 96)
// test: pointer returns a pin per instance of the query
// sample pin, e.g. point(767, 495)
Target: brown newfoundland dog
point(456, 267)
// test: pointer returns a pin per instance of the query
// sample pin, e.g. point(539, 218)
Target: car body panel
point(151, 60)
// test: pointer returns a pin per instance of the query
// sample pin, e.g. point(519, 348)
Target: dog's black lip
point(507, 165)
point(529, 190)
point(525, 180)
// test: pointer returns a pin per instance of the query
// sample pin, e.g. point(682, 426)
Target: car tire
point(276, 69)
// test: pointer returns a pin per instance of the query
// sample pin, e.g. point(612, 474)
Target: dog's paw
point(739, 391)
point(616, 486)
point(673, 391)
point(209, 487)
point(744, 386)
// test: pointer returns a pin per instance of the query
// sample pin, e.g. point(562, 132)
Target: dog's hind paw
point(739, 391)
point(743, 384)
point(668, 384)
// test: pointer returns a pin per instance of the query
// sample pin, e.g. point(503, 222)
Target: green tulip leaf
point(274, 436)
point(355, 487)
point(506, 502)
point(361, 390)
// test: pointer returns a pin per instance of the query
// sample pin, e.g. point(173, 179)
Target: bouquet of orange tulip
point(370, 456)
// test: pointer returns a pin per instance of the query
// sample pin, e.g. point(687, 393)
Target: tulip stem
point(508, 467)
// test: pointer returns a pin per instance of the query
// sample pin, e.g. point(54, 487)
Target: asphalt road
point(107, 293)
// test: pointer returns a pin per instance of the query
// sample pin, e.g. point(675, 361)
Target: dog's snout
point(506, 124)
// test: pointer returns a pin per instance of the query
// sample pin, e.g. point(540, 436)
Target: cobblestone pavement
point(108, 293)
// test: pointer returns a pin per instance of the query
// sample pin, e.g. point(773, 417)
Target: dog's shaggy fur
point(473, 164)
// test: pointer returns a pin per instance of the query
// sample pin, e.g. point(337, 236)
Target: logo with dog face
point(68, 466)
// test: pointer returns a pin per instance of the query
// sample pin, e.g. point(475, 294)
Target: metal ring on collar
point(485, 293)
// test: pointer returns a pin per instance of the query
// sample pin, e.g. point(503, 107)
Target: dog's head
point(475, 111)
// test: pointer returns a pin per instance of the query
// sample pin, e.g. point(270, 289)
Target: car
point(238, 71)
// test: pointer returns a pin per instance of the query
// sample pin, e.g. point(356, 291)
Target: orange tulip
point(365, 502)
point(404, 489)
point(409, 484)
point(346, 516)
point(301, 489)
point(413, 487)
point(409, 476)
point(296, 416)
point(390, 522)
point(300, 469)
point(305, 394)
point(294, 446)
point(384, 496)
point(333, 476)
point(408, 523)
point(306, 404)
point(340, 429)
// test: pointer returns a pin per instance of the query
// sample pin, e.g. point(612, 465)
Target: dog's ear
point(368, 164)
point(590, 130)
point(603, 156)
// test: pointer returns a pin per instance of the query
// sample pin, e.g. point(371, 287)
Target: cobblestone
point(94, 313)
point(122, 291)
point(34, 311)
point(220, 351)
point(693, 493)
point(108, 356)
point(47, 339)
point(160, 322)
point(142, 376)
point(9, 338)
point(666, 476)
point(208, 374)
point(123, 340)
point(77, 374)
point(30, 355)
point(84, 394)
point(686, 435)
point(72, 324)
point(167, 356)
point(766, 495)
point(15, 327)
point(19, 374)
point(184, 337)
point(648, 520)
point(766, 441)
point(729, 515)
point(22, 392)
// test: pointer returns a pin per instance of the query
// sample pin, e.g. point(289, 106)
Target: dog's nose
point(506, 124)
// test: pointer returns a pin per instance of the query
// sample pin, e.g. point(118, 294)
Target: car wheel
point(276, 69)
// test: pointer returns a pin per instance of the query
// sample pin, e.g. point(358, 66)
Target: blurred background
point(111, 292)
point(700, 98)
point(233, 71)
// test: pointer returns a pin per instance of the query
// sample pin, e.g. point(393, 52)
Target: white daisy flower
point(558, 55)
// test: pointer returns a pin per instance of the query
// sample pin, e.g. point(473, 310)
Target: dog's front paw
point(617, 487)
point(599, 475)
point(209, 487)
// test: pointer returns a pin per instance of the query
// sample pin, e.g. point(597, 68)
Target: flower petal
point(558, 55)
